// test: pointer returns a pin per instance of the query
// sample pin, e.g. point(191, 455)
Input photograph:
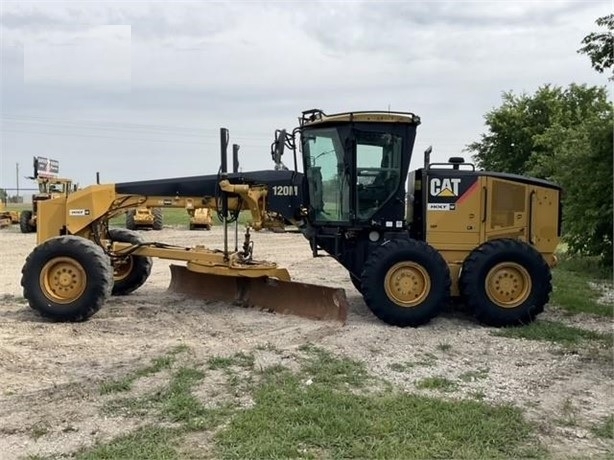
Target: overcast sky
point(139, 90)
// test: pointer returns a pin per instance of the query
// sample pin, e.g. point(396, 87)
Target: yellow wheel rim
point(122, 268)
point(63, 280)
point(407, 284)
point(508, 284)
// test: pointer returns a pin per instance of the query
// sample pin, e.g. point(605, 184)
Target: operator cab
point(355, 165)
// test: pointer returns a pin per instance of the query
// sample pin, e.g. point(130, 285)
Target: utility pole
point(17, 178)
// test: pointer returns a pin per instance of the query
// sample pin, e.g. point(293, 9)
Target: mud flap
point(286, 297)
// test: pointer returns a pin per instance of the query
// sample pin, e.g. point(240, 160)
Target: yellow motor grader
point(49, 186)
point(8, 218)
point(200, 218)
point(409, 240)
point(144, 218)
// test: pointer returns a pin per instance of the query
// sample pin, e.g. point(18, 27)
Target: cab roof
point(316, 117)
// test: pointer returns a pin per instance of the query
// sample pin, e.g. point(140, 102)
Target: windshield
point(374, 162)
point(52, 187)
point(328, 181)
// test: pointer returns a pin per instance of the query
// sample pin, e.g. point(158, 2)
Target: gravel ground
point(50, 372)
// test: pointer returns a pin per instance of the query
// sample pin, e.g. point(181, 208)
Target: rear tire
point(405, 282)
point(67, 278)
point(158, 219)
point(130, 225)
point(24, 222)
point(505, 283)
point(130, 272)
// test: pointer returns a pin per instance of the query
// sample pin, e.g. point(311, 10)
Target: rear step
point(286, 297)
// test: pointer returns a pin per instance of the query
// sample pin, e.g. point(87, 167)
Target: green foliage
point(509, 144)
point(436, 383)
point(330, 408)
point(553, 331)
point(574, 281)
point(605, 429)
point(599, 46)
point(151, 442)
point(566, 136)
point(239, 360)
point(3, 195)
point(580, 143)
point(178, 217)
point(125, 383)
point(332, 418)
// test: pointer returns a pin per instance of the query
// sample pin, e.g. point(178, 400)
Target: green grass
point(436, 383)
point(39, 429)
point(291, 420)
point(427, 360)
point(178, 217)
point(325, 369)
point(323, 410)
point(177, 403)
point(444, 347)
point(150, 442)
point(605, 429)
point(568, 414)
point(239, 360)
point(572, 291)
point(555, 332)
point(472, 376)
point(125, 383)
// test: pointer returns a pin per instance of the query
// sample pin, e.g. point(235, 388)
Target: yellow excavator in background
point(485, 238)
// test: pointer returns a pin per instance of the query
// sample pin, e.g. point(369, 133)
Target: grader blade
point(286, 297)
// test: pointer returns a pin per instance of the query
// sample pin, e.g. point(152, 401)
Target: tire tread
point(471, 282)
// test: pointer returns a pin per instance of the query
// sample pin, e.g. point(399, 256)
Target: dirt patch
point(50, 373)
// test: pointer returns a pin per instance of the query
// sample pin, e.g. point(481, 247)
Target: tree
point(580, 143)
point(509, 145)
point(599, 46)
point(3, 195)
point(564, 135)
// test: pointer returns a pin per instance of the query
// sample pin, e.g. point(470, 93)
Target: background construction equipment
point(144, 218)
point(49, 186)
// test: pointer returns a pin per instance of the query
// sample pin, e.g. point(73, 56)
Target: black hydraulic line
point(235, 169)
point(224, 137)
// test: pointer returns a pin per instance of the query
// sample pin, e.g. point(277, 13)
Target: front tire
point(129, 272)
point(505, 282)
point(67, 278)
point(405, 282)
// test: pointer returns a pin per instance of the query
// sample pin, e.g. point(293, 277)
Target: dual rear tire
point(503, 282)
